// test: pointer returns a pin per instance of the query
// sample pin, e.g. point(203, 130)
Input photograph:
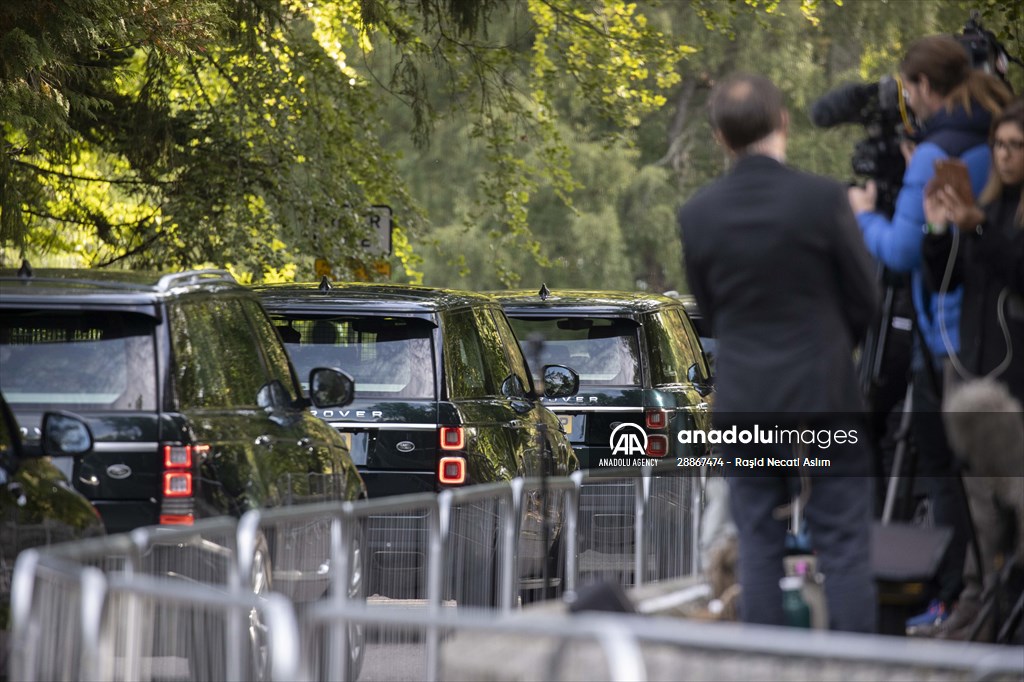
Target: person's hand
point(964, 214)
point(863, 198)
point(934, 209)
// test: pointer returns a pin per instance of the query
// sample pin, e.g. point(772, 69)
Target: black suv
point(185, 385)
point(643, 379)
point(444, 396)
point(639, 360)
point(37, 504)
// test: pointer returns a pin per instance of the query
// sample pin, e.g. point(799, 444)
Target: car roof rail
point(181, 279)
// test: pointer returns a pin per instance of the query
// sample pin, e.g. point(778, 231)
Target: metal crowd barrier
point(475, 547)
point(73, 622)
point(614, 651)
point(638, 529)
point(551, 645)
point(479, 547)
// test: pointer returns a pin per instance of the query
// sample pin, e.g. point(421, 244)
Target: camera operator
point(954, 104)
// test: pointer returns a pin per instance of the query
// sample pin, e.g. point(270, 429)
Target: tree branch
point(127, 254)
point(84, 178)
point(75, 221)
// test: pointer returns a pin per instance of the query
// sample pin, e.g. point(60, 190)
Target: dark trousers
point(838, 516)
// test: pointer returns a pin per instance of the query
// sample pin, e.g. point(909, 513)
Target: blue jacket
point(897, 243)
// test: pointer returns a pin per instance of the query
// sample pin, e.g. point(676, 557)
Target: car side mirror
point(329, 387)
point(65, 434)
point(700, 382)
point(694, 375)
point(560, 381)
point(272, 394)
point(512, 387)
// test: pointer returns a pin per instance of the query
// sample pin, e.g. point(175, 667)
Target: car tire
point(556, 571)
point(206, 632)
point(480, 535)
point(356, 632)
point(320, 641)
point(261, 584)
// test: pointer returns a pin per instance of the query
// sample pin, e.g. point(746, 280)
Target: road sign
point(379, 241)
point(378, 244)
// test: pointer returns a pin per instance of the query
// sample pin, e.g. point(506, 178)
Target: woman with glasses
point(982, 249)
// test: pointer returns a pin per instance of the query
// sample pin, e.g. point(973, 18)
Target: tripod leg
point(901, 449)
point(1012, 621)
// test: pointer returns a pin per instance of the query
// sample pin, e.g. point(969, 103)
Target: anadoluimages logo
point(628, 440)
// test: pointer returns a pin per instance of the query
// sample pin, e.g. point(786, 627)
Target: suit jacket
point(778, 265)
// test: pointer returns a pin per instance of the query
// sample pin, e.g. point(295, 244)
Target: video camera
point(881, 108)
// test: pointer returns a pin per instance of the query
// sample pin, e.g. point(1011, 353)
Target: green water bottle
point(796, 610)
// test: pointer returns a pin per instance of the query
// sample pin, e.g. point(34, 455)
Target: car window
point(515, 354)
point(217, 363)
point(78, 359)
point(465, 371)
point(496, 361)
point(670, 351)
point(388, 357)
point(274, 352)
point(603, 351)
point(695, 345)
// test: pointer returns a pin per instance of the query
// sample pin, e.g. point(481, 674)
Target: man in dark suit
point(780, 270)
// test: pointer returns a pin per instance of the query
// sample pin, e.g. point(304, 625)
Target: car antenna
point(25, 271)
point(544, 291)
point(325, 284)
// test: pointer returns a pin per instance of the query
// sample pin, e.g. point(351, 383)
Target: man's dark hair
point(744, 109)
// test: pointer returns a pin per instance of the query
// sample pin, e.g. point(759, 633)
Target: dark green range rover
point(639, 360)
point(444, 398)
point(643, 374)
point(443, 393)
point(185, 385)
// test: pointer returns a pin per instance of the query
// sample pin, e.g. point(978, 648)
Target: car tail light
point(177, 457)
point(451, 470)
point(176, 519)
point(177, 484)
point(453, 438)
point(657, 445)
point(178, 507)
point(657, 419)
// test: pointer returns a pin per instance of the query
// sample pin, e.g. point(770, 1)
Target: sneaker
point(924, 624)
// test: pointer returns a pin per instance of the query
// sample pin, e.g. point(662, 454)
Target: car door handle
point(304, 442)
point(263, 440)
point(703, 407)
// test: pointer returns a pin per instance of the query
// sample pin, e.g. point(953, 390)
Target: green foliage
point(51, 57)
point(251, 146)
point(517, 141)
point(650, 169)
point(240, 134)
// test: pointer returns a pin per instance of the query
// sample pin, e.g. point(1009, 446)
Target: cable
point(1000, 315)
point(901, 99)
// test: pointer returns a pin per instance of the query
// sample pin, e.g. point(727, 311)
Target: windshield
point(77, 359)
point(389, 357)
point(603, 351)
